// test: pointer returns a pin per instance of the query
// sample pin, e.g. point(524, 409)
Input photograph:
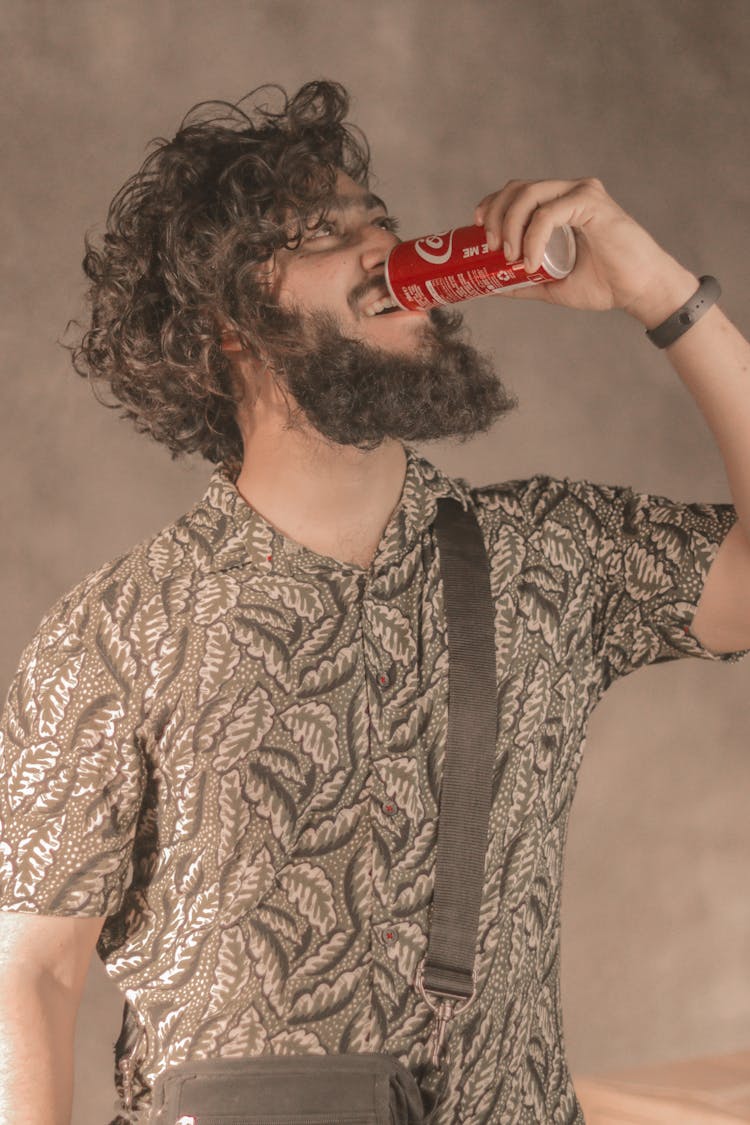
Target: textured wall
point(652, 98)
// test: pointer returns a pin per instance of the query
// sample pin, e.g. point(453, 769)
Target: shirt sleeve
point(71, 776)
point(649, 557)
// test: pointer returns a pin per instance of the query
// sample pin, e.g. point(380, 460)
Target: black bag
point(373, 1088)
point(358, 1089)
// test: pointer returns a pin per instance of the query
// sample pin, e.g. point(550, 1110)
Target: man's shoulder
point(127, 583)
point(542, 494)
point(520, 497)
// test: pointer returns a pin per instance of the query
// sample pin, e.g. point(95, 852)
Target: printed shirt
point(232, 747)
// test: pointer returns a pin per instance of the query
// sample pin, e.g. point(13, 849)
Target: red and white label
point(442, 269)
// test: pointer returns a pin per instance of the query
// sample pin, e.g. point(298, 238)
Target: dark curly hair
point(185, 245)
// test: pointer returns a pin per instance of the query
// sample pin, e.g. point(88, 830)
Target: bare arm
point(43, 966)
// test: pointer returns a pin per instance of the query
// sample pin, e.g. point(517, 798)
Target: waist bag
point(375, 1088)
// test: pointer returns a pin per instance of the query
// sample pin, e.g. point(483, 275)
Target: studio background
point(650, 97)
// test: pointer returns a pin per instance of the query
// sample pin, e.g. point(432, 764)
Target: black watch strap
point(707, 294)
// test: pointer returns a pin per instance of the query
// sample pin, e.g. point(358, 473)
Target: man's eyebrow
point(352, 202)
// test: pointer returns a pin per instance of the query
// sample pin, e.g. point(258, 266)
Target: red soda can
point(442, 269)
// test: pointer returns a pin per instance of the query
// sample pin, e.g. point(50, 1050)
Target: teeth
point(383, 303)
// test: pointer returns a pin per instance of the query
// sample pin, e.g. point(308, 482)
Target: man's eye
point(326, 227)
point(390, 222)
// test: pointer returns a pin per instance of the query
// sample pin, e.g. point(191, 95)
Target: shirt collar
point(225, 531)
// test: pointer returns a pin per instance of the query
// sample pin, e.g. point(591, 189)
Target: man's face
point(340, 268)
point(411, 376)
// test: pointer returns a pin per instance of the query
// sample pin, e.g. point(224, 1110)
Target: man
point(222, 751)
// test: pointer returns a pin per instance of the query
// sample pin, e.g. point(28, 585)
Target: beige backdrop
point(651, 97)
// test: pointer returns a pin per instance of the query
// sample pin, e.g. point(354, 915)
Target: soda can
point(442, 269)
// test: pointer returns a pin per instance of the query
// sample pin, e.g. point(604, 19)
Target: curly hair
point(186, 241)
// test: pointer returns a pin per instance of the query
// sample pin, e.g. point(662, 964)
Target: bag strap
point(447, 970)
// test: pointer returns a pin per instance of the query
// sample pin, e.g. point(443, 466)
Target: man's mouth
point(381, 307)
point(381, 303)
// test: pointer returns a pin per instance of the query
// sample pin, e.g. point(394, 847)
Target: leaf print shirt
point(232, 747)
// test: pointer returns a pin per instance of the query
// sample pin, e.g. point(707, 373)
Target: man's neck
point(335, 501)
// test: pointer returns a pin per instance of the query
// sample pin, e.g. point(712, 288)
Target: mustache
point(295, 331)
point(372, 285)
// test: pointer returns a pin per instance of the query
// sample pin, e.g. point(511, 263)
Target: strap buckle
point(444, 1010)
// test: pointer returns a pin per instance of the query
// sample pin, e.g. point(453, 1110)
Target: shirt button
point(389, 808)
point(389, 936)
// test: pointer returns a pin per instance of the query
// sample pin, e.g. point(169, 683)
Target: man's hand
point(618, 263)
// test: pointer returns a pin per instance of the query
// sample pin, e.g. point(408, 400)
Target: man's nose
point(377, 243)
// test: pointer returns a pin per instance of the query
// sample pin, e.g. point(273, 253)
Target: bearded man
point(222, 751)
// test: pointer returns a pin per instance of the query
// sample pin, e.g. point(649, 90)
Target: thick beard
point(357, 394)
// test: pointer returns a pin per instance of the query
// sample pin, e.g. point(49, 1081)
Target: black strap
point(706, 295)
point(448, 967)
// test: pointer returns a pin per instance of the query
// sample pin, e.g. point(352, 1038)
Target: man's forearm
point(713, 360)
point(37, 1030)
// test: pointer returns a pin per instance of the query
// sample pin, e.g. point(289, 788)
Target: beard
point(354, 393)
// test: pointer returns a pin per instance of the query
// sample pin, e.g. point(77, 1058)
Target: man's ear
point(231, 342)
point(229, 336)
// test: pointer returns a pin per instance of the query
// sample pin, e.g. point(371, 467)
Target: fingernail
point(492, 241)
point(507, 251)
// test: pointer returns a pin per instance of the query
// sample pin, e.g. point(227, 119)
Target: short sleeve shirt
point(232, 747)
